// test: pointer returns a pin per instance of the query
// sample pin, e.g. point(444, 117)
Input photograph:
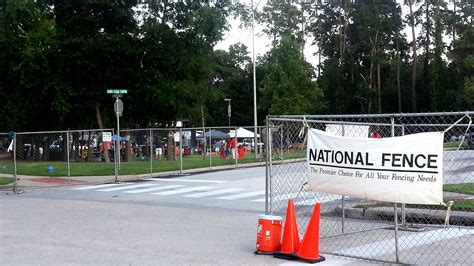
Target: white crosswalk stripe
point(97, 186)
point(244, 195)
point(125, 187)
point(188, 190)
point(183, 190)
point(214, 192)
point(259, 200)
point(158, 188)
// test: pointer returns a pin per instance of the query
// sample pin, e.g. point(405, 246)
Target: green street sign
point(117, 91)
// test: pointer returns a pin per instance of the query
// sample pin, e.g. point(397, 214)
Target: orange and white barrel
point(269, 233)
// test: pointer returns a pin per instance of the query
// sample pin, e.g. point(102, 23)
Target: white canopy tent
point(242, 133)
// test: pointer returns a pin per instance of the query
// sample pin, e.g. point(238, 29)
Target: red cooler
point(268, 233)
point(241, 152)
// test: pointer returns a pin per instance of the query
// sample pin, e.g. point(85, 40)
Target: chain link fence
point(50, 158)
point(378, 230)
point(59, 158)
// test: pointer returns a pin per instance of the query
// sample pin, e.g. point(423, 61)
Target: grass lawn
point(464, 188)
point(455, 144)
point(40, 168)
point(6, 180)
point(134, 167)
point(459, 205)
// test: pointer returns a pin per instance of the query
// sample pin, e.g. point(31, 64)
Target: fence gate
point(371, 230)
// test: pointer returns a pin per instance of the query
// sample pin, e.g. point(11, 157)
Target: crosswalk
point(190, 188)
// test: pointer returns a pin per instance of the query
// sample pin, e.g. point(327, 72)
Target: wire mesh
point(61, 158)
point(365, 229)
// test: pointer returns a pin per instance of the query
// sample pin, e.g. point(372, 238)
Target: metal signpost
point(118, 109)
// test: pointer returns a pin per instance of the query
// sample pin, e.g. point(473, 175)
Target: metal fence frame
point(285, 176)
point(146, 151)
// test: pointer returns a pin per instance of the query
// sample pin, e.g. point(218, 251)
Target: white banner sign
point(106, 136)
point(406, 169)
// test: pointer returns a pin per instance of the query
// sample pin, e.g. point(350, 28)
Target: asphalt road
point(198, 219)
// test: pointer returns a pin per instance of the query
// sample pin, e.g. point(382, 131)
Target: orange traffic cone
point(291, 240)
point(309, 250)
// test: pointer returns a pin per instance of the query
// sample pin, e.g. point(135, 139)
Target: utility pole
point(254, 86)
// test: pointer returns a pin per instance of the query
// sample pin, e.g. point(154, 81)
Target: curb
point(415, 216)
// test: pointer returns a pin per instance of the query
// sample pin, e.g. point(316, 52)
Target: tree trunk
point(101, 126)
point(428, 27)
point(341, 34)
point(373, 53)
point(379, 89)
point(454, 26)
point(399, 93)
point(302, 31)
point(128, 146)
point(413, 72)
point(171, 153)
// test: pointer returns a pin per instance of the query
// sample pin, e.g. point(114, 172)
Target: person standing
point(159, 151)
point(232, 147)
point(218, 146)
point(375, 134)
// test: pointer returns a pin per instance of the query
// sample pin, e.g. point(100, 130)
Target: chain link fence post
point(270, 165)
point(180, 151)
point(267, 168)
point(395, 212)
point(152, 153)
point(403, 204)
point(68, 159)
point(116, 168)
point(210, 149)
point(343, 216)
point(15, 175)
point(234, 150)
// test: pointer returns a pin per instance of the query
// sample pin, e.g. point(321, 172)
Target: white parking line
point(213, 193)
point(244, 195)
point(183, 190)
point(185, 180)
point(97, 186)
point(153, 189)
point(148, 184)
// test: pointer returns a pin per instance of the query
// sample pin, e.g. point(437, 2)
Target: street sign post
point(118, 109)
point(117, 91)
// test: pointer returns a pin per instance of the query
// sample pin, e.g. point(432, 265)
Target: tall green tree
point(289, 86)
point(97, 51)
point(232, 80)
point(28, 74)
point(177, 65)
point(359, 41)
point(461, 55)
